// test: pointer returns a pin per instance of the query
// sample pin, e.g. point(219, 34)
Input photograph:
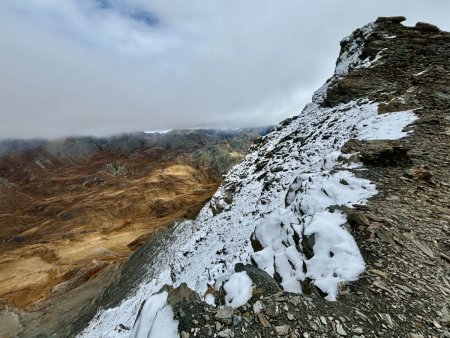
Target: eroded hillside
point(71, 208)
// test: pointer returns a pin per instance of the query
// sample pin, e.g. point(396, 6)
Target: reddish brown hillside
point(65, 218)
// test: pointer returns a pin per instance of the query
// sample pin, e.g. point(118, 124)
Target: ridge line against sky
point(98, 67)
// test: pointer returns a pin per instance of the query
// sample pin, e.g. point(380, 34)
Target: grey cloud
point(69, 68)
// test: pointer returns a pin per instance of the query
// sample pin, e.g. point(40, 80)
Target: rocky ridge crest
point(401, 233)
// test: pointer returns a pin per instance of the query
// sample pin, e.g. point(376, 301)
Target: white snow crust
point(351, 58)
point(156, 320)
point(279, 193)
point(238, 289)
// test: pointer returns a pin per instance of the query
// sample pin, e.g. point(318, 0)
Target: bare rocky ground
point(403, 232)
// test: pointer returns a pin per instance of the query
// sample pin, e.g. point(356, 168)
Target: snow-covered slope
point(276, 201)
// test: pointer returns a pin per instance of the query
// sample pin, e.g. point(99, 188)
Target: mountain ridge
point(356, 119)
point(331, 204)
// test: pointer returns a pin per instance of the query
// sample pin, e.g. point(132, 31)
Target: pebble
point(387, 319)
point(226, 334)
point(415, 335)
point(357, 330)
point(258, 307)
point(295, 300)
point(282, 330)
point(377, 272)
point(224, 315)
point(236, 320)
point(379, 284)
point(272, 309)
point(313, 326)
point(340, 330)
point(264, 322)
point(404, 288)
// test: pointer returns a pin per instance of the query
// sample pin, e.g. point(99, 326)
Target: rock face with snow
point(284, 207)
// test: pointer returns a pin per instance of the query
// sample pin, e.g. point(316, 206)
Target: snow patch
point(351, 57)
point(158, 131)
point(367, 63)
point(156, 319)
point(210, 300)
point(238, 289)
point(386, 126)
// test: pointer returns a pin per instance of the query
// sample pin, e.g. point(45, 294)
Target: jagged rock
point(255, 243)
point(420, 174)
point(262, 281)
point(395, 105)
point(358, 330)
point(262, 319)
point(358, 219)
point(181, 295)
point(272, 309)
point(423, 247)
point(295, 300)
point(215, 206)
point(224, 315)
point(393, 19)
point(379, 284)
point(423, 26)
point(308, 245)
point(384, 153)
point(351, 146)
point(308, 288)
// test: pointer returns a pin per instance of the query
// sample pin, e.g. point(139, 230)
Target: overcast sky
point(96, 67)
